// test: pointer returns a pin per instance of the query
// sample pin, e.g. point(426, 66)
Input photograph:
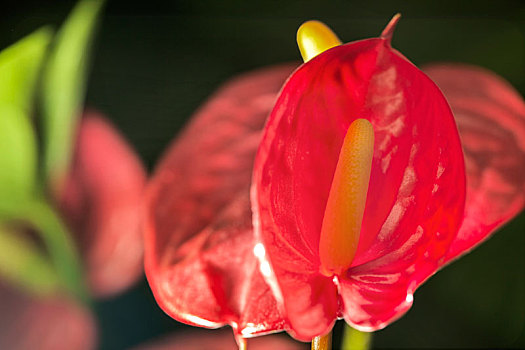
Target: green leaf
point(24, 265)
point(64, 84)
point(56, 238)
point(18, 154)
point(19, 69)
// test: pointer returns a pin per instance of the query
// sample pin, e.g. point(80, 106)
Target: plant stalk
point(322, 342)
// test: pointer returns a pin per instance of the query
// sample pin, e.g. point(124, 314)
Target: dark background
point(156, 62)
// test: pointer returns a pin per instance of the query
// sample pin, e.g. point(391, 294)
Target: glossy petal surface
point(200, 259)
point(54, 323)
point(490, 116)
point(415, 198)
point(101, 200)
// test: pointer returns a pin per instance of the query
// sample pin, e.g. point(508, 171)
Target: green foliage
point(24, 265)
point(18, 157)
point(19, 69)
point(56, 238)
point(64, 84)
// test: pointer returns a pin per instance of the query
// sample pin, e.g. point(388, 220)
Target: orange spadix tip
point(313, 38)
point(346, 202)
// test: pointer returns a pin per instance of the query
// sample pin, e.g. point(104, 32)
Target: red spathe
point(416, 193)
point(199, 244)
point(490, 116)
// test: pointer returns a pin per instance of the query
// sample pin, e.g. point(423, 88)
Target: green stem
point(356, 340)
point(56, 238)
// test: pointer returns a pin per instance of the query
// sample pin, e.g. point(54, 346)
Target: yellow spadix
point(345, 207)
point(314, 37)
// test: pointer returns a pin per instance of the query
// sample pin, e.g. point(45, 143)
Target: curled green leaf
point(18, 155)
point(64, 84)
point(19, 69)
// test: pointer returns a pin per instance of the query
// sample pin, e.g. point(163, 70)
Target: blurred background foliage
point(155, 62)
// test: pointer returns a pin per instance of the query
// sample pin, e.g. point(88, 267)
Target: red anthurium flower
point(490, 116)
point(101, 200)
point(199, 259)
point(315, 143)
point(48, 323)
point(198, 340)
point(199, 240)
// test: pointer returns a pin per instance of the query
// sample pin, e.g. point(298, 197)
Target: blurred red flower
point(101, 201)
point(47, 323)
